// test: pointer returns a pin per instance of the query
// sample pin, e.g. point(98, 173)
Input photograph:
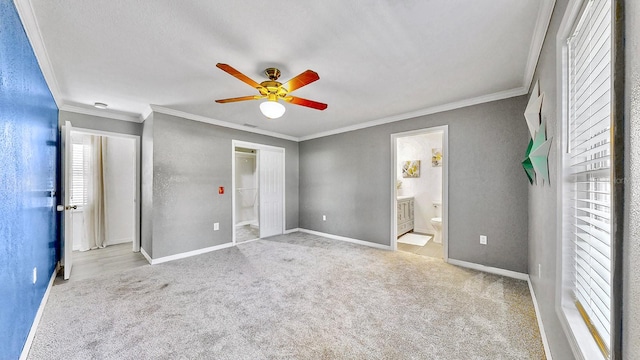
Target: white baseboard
point(186, 254)
point(342, 238)
point(291, 231)
point(543, 334)
point(36, 320)
point(489, 269)
point(146, 256)
point(247, 241)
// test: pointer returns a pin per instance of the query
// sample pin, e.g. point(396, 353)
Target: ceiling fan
point(273, 90)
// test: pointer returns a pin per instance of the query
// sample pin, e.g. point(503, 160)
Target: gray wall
point(100, 123)
point(347, 177)
point(190, 160)
point(543, 201)
point(631, 279)
point(146, 193)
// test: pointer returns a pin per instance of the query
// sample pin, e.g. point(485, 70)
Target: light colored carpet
point(295, 296)
point(414, 239)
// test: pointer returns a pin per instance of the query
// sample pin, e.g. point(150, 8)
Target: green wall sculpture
point(536, 162)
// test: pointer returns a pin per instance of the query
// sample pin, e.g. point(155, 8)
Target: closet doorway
point(258, 209)
point(247, 226)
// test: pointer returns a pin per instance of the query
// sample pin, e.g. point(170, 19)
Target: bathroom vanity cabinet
point(405, 214)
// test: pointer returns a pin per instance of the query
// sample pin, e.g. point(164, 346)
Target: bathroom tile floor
point(430, 249)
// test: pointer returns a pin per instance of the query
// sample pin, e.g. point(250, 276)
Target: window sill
point(582, 343)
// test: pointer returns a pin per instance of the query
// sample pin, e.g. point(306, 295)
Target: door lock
point(71, 207)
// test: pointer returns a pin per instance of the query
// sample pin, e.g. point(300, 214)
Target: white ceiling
point(378, 61)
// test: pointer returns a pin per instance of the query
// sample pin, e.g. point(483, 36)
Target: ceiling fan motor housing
point(272, 73)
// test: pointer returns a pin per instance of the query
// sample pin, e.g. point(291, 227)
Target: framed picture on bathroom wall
point(411, 169)
point(436, 157)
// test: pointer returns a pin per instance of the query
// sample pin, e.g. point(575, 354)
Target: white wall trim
point(539, 33)
point(343, 238)
point(291, 231)
point(188, 253)
point(428, 111)
point(36, 321)
point(543, 334)
point(146, 256)
point(247, 241)
point(31, 27)
point(489, 269)
point(109, 114)
point(208, 120)
point(145, 114)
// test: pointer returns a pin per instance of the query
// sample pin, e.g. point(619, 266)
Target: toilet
point(436, 222)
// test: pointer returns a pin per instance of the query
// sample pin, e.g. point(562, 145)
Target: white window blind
point(78, 191)
point(588, 167)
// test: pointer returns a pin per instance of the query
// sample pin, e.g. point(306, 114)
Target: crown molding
point(30, 24)
point(537, 41)
point(31, 28)
point(99, 113)
point(146, 113)
point(428, 111)
point(208, 120)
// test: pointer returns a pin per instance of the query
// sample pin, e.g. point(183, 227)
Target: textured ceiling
point(376, 59)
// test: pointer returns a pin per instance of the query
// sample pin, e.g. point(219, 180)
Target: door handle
point(71, 207)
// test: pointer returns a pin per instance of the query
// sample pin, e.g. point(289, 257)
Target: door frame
point(257, 147)
point(444, 129)
point(137, 175)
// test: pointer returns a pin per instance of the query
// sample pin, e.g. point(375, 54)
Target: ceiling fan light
point(272, 109)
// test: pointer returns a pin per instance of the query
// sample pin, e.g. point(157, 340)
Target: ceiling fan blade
point(305, 102)
point(238, 75)
point(301, 80)
point(242, 98)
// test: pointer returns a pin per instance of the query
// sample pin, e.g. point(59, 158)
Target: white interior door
point(67, 241)
point(271, 173)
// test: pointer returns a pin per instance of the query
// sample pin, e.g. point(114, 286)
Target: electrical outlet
point(216, 226)
point(324, 217)
point(483, 239)
point(35, 275)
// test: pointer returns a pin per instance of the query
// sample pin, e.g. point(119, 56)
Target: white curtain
point(94, 211)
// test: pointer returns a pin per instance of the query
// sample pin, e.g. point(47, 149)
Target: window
point(78, 190)
point(587, 204)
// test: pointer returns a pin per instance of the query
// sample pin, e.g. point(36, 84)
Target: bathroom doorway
point(419, 192)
